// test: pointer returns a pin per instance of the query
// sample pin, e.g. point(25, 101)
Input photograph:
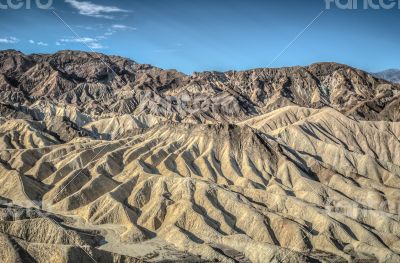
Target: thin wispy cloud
point(86, 27)
point(94, 42)
point(122, 27)
point(78, 40)
point(40, 43)
point(101, 37)
point(95, 45)
point(90, 42)
point(9, 40)
point(115, 28)
point(94, 10)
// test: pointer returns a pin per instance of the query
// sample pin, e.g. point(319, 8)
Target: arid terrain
point(103, 159)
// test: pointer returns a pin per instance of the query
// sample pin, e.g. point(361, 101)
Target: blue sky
point(198, 35)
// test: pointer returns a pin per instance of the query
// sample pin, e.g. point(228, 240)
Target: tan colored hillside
point(285, 180)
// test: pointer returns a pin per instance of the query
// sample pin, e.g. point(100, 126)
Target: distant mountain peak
point(392, 75)
point(97, 82)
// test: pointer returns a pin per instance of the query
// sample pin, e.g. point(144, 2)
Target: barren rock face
point(98, 84)
point(106, 160)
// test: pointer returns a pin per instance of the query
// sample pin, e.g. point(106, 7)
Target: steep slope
point(32, 235)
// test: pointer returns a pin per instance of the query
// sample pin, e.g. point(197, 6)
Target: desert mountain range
point(392, 75)
point(103, 159)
